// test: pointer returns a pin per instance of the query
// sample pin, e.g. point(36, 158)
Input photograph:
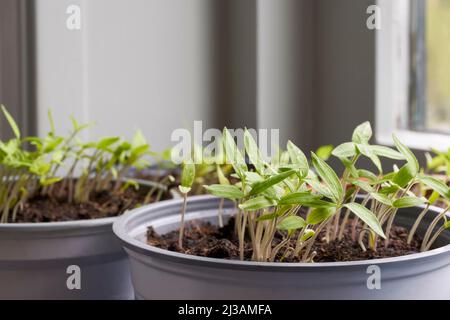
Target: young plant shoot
point(59, 167)
point(187, 179)
point(285, 205)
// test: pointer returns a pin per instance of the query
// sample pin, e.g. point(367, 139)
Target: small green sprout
point(302, 199)
point(324, 152)
point(33, 165)
point(187, 179)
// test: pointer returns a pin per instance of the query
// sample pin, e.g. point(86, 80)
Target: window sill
point(417, 140)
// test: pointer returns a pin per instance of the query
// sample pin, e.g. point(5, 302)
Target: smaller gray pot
point(46, 260)
point(162, 274)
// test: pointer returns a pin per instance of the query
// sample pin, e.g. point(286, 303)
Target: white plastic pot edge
point(131, 243)
point(75, 224)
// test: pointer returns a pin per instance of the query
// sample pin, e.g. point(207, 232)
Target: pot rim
point(135, 245)
point(73, 224)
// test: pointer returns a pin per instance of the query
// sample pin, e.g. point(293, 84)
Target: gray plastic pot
point(41, 260)
point(161, 274)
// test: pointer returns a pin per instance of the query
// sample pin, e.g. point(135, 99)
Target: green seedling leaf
point(251, 177)
point(78, 127)
point(328, 176)
point(318, 215)
point(368, 175)
point(363, 185)
point(389, 189)
point(411, 159)
point(74, 123)
point(48, 181)
point(232, 153)
point(274, 192)
point(278, 213)
point(51, 121)
point(284, 158)
point(187, 177)
point(387, 177)
point(320, 188)
point(138, 139)
point(253, 152)
point(436, 185)
point(367, 151)
point(305, 199)
point(204, 169)
point(308, 234)
point(403, 176)
point(367, 216)
point(407, 202)
point(433, 197)
point(130, 183)
point(386, 152)
point(105, 143)
point(221, 176)
point(268, 216)
point(39, 167)
point(362, 133)
point(298, 158)
point(257, 203)
point(225, 191)
point(11, 122)
point(166, 154)
point(437, 162)
point(447, 224)
point(260, 186)
point(57, 156)
point(291, 223)
point(324, 152)
point(345, 150)
point(114, 172)
point(382, 198)
point(349, 192)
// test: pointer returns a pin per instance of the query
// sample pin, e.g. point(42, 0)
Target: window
point(413, 72)
point(430, 65)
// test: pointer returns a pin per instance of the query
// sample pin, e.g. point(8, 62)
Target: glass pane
point(438, 65)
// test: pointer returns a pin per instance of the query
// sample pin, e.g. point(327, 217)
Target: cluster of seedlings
point(66, 169)
point(283, 207)
point(302, 200)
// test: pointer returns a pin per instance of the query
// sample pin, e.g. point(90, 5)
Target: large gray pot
point(38, 260)
point(161, 274)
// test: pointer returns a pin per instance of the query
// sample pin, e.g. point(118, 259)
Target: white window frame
point(392, 81)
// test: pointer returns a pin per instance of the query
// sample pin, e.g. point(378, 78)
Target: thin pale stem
point(220, 217)
point(241, 235)
point(183, 210)
point(313, 238)
point(431, 228)
point(417, 222)
point(390, 222)
point(361, 240)
point(434, 238)
point(278, 248)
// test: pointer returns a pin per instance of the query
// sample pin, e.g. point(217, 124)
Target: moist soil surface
point(101, 204)
point(207, 240)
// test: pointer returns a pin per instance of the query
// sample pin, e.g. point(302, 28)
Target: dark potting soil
point(207, 240)
point(101, 204)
